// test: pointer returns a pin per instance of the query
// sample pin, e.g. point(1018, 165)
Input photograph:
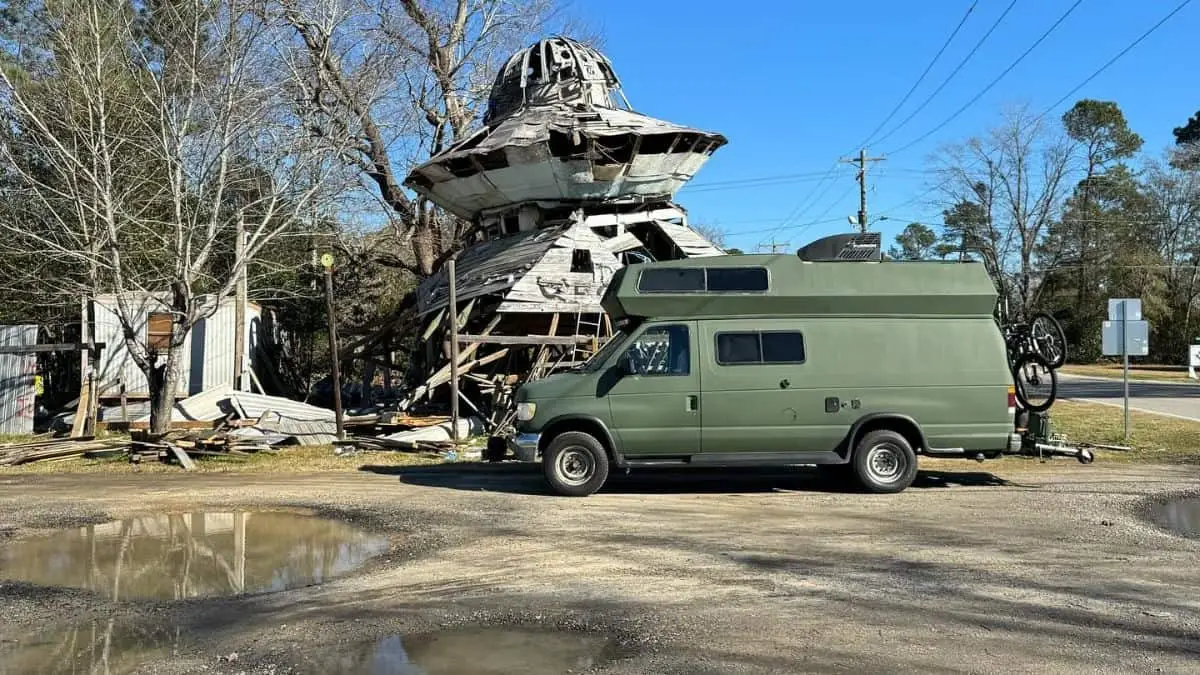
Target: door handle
point(693, 403)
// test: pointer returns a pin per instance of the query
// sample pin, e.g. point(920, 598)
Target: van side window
point(668, 279)
point(662, 350)
point(737, 279)
point(759, 347)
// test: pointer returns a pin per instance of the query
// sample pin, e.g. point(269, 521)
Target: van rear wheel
point(575, 464)
point(884, 462)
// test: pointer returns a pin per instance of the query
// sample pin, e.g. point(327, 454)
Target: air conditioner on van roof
point(855, 247)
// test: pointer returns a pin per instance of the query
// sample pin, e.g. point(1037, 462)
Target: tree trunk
point(164, 380)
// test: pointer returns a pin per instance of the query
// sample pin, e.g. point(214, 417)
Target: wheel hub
point(575, 466)
point(885, 462)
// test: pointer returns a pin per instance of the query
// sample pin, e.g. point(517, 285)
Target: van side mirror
point(625, 365)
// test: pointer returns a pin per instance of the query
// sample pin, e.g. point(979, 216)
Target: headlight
point(526, 410)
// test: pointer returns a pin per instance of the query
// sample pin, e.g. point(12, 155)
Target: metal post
point(334, 368)
point(453, 317)
point(1125, 359)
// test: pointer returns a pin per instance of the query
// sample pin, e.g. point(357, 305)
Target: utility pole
point(334, 366)
point(863, 162)
point(239, 310)
point(774, 245)
point(453, 318)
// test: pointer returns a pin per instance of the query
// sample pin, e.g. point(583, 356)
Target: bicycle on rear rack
point(1035, 350)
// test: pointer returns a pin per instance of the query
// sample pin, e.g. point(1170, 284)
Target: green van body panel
point(903, 340)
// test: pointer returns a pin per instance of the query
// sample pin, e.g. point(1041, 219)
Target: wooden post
point(334, 369)
point(239, 310)
point(453, 317)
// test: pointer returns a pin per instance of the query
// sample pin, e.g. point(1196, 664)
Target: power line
point(954, 72)
point(925, 72)
point(994, 82)
point(1119, 54)
point(808, 203)
point(1066, 96)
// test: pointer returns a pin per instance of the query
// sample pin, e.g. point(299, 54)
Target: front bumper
point(525, 446)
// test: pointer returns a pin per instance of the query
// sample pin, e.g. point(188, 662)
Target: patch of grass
point(1155, 438)
point(292, 459)
point(1139, 371)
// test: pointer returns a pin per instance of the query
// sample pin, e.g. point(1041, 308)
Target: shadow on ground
point(527, 479)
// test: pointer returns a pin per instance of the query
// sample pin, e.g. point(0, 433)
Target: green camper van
point(777, 360)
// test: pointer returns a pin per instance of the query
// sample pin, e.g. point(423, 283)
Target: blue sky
point(796, 85)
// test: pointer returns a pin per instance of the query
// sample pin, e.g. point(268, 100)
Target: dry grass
point(1155, 438)
point(296, 459)
point(1140, 371)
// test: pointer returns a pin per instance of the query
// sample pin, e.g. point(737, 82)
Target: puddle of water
point(469, 651)
point(173, 556)
point(1181, 516)
point(99, 647)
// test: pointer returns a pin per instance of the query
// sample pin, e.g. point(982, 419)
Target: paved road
point(1181, 400)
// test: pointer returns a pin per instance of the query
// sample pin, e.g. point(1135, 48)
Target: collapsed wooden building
point(566, 184)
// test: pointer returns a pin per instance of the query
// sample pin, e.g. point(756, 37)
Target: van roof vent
point(864, 246)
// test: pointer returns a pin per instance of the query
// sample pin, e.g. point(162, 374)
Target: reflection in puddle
point(1181, 516)
point(172, 556)
point(99, 646)
point(473, 651)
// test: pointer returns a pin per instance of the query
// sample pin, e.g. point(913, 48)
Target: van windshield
point(601, 357)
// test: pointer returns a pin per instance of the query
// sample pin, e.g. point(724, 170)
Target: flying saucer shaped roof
point(554, 70)
point(558, 155)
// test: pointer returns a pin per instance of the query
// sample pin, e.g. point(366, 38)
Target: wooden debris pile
point(59, 449)
point(393, 430)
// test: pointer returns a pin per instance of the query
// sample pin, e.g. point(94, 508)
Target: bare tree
point(1173, 200)
point(157, 139)
point(392, 82)
point(1016, 177)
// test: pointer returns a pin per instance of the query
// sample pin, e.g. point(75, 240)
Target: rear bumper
point(525, 446)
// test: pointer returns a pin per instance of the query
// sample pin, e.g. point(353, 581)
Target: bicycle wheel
point(1036, 383)
point(1049, 339)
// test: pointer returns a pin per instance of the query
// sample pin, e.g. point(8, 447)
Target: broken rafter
point(523, 339)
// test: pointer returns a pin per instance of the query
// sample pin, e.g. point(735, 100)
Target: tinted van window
point(671, 279)
point(737, 278)
point(760, 347)
point(735, 348)
point(782, 347)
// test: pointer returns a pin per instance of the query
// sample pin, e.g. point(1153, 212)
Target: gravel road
point(1012, 566)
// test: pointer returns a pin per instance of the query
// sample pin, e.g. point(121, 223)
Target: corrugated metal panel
point(16, 380)
point(252, 406)
point(116, 365)
point(208, 352)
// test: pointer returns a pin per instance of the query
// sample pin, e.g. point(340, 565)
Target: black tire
point(1056, 353)
point(1032, 367)
point(575, 464)
point(497, 448)
point(884, 462)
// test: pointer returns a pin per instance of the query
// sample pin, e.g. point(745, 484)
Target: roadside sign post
point(1193, 359)
point(1125, 333)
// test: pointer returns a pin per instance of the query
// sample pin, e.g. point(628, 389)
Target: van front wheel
point(884, 461)
point(575, 464)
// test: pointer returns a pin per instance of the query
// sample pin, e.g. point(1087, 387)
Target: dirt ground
point(1013, 566)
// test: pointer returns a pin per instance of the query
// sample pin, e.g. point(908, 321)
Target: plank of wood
point(181, 455)
point(56, 347)
point(81, 410)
